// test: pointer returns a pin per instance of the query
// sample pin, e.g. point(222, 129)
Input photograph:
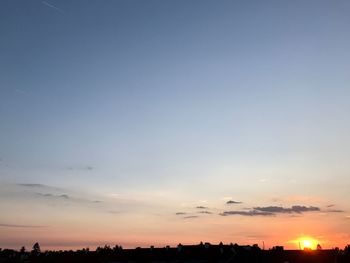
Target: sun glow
point(307, 243)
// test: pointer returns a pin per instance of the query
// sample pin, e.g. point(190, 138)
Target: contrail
point(52, 6)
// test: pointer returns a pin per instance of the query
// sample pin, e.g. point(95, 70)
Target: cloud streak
point(273, 211)
point(334, 211)
point(232, 202)
point(50, 192)
point(19, 226)
point(247, 213)
point(205, 212)
point(80, 168)
point(114, 212)
point(33, 185)
point(294, 209)
point(67, 197)
point(63, 196)
point(53, 7)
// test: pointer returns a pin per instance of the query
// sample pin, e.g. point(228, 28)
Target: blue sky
point(183, 101)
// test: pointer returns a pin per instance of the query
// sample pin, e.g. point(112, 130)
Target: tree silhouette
point(36, 249)
point(347, 249)
point(23, 249)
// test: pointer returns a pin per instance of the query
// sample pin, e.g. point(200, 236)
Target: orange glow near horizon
point(306, 242)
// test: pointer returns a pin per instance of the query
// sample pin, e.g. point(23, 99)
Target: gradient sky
point(135, 122)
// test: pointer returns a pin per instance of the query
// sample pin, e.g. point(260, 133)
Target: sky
point(145, 123)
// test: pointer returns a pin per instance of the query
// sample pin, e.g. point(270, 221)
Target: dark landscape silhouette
point(203, 252)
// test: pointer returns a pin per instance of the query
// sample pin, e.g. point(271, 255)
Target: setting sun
point(307, 243)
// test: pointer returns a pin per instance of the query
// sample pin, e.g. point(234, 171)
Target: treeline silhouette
point(203, 252)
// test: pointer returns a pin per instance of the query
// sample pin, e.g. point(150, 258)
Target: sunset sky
point(157, 122)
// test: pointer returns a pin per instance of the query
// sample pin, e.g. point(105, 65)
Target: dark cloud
point(180, 213)
point(205, 212)
point(46, 195)
point(201, 207)
point(63, 196)
point(301, 209)
point(294, 209)
point(334, 211)
point(273, 210)
point(19, 226)
point(231, 202)
point(186, 217)
point(247, 213)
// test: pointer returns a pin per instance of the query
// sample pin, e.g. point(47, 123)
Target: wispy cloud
point(247, 213)
point(21, 91)
point(19, 226)
point(334, 211)
point(50, 192)
point(273, 210)
point(80, 168)
point(52, 6)
point(63, 196)
point(294, 209)
point(44, 195)
point(232, 202)
point(33, 185)
point(188, 217)
point(114, 212)
point(39, 186)
point(180, 213)
point(67, 197)
point(205, 212)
